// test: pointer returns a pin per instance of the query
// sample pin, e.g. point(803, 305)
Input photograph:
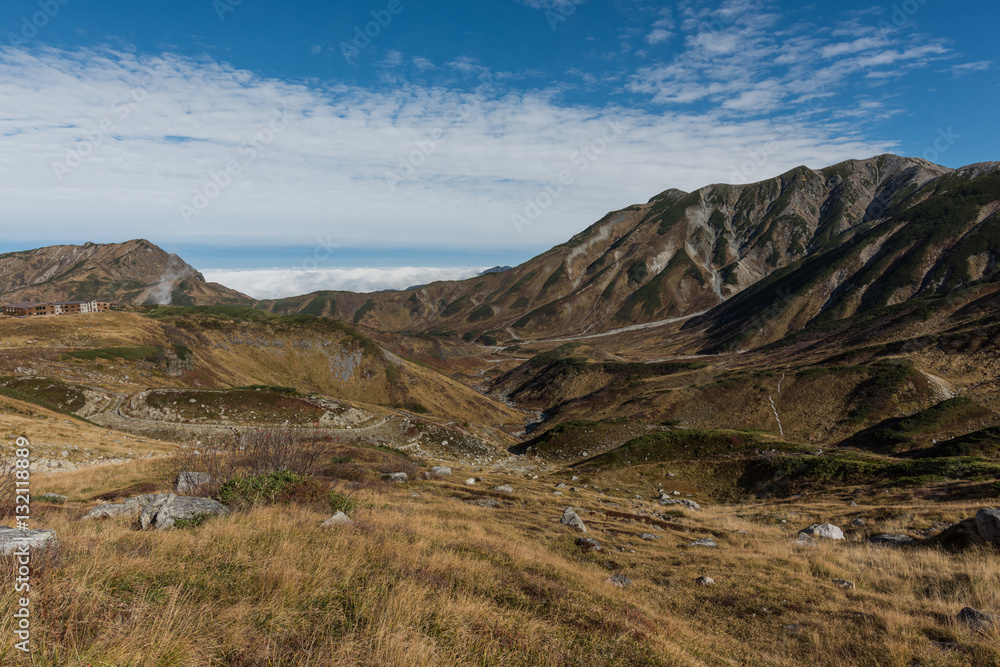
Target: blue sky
point(252, 134)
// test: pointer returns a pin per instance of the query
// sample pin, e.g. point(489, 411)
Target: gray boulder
point(619, 580)
point(191, 481)
point(571, 518)
point(690, 504)
point(470, 481)
point(704, 542)
point(844, 583)
point(988, 524)
point(975, 619)
point(887, 540)
point(130, 507)
point(14, 539)
point(705, 581)
point(504, 488)
point(560, 485)
point(825, 530)
point(650, 536)
point(857, 523)
point(338, 519)
point(165, 509)
point(395, 477)
point(441, 470)
point(588, 544)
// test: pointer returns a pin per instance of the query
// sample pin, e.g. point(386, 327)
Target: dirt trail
point(612, 332)
point(946, 389)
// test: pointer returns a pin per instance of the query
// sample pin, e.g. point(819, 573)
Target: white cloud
point(313, 161)
point(278, 283)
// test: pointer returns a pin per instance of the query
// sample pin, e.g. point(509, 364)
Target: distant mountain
point(859, 234)
point(496, 269)
point(135, 272)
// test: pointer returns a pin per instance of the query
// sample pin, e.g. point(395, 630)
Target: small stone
point(690, 504)
point(619, 580)
point(571, 518)
point(395, 477)
point(504, 488)
point(844, 583)
point(574, 478)
point(12, 539)
point(853, 504)
point(560, 485)
point(441, 470)
point(650, 536)
point(704, 542)
point(857, 523)
point(705, 581)
point(470, 481)
point(557, 493)
point(588, 544)
point(338, 519)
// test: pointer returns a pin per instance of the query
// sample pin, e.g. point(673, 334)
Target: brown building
point(29, 309)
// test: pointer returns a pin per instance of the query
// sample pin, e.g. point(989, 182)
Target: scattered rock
point(844, 583)
point(560, 485)
point(441, 470)
point(975, 619)
point(588, 544)
point(165, 509)
point(504, 488)
point(571, 518)
point(963, 535)
point(988, 524)
point(130, 508)
point(470, 481)
point(690, 504)
point(485, 502)
point(888, 540)
point(619, 580)
point(395, 477)
point(190, 481)
point(557, 493)
point(13, 539)
point(825, 530)
point(857, 523)
point(853, 504)
point(574, 478)
point(705, 581)
point(338, 519)
point(703, 542)
point(650, 536)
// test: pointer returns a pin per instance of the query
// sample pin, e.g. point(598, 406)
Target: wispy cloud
point(150, 133)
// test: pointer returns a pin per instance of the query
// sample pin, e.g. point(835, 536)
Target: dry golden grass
point(432, 580)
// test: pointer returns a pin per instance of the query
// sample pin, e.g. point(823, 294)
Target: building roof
point(26, 305)
point(71, 303)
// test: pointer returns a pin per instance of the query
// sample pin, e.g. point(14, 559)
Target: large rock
point(165, 509)
point(191, 481)
point(825, 530)
point(704, 542)
point(13, 539)
point(988, 524)
point(690, 504)
point(504, 488)
point(441, 470)
point(887, 540)
point(128, 508)
point(619, 580)
point(588, 544)
point(571, 518)
point(396, 477)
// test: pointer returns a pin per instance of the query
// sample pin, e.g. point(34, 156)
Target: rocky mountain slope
point(682, 254)
point(134, 272)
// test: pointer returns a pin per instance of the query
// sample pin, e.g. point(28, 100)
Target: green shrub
point(341, 503)
point(280, 486)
